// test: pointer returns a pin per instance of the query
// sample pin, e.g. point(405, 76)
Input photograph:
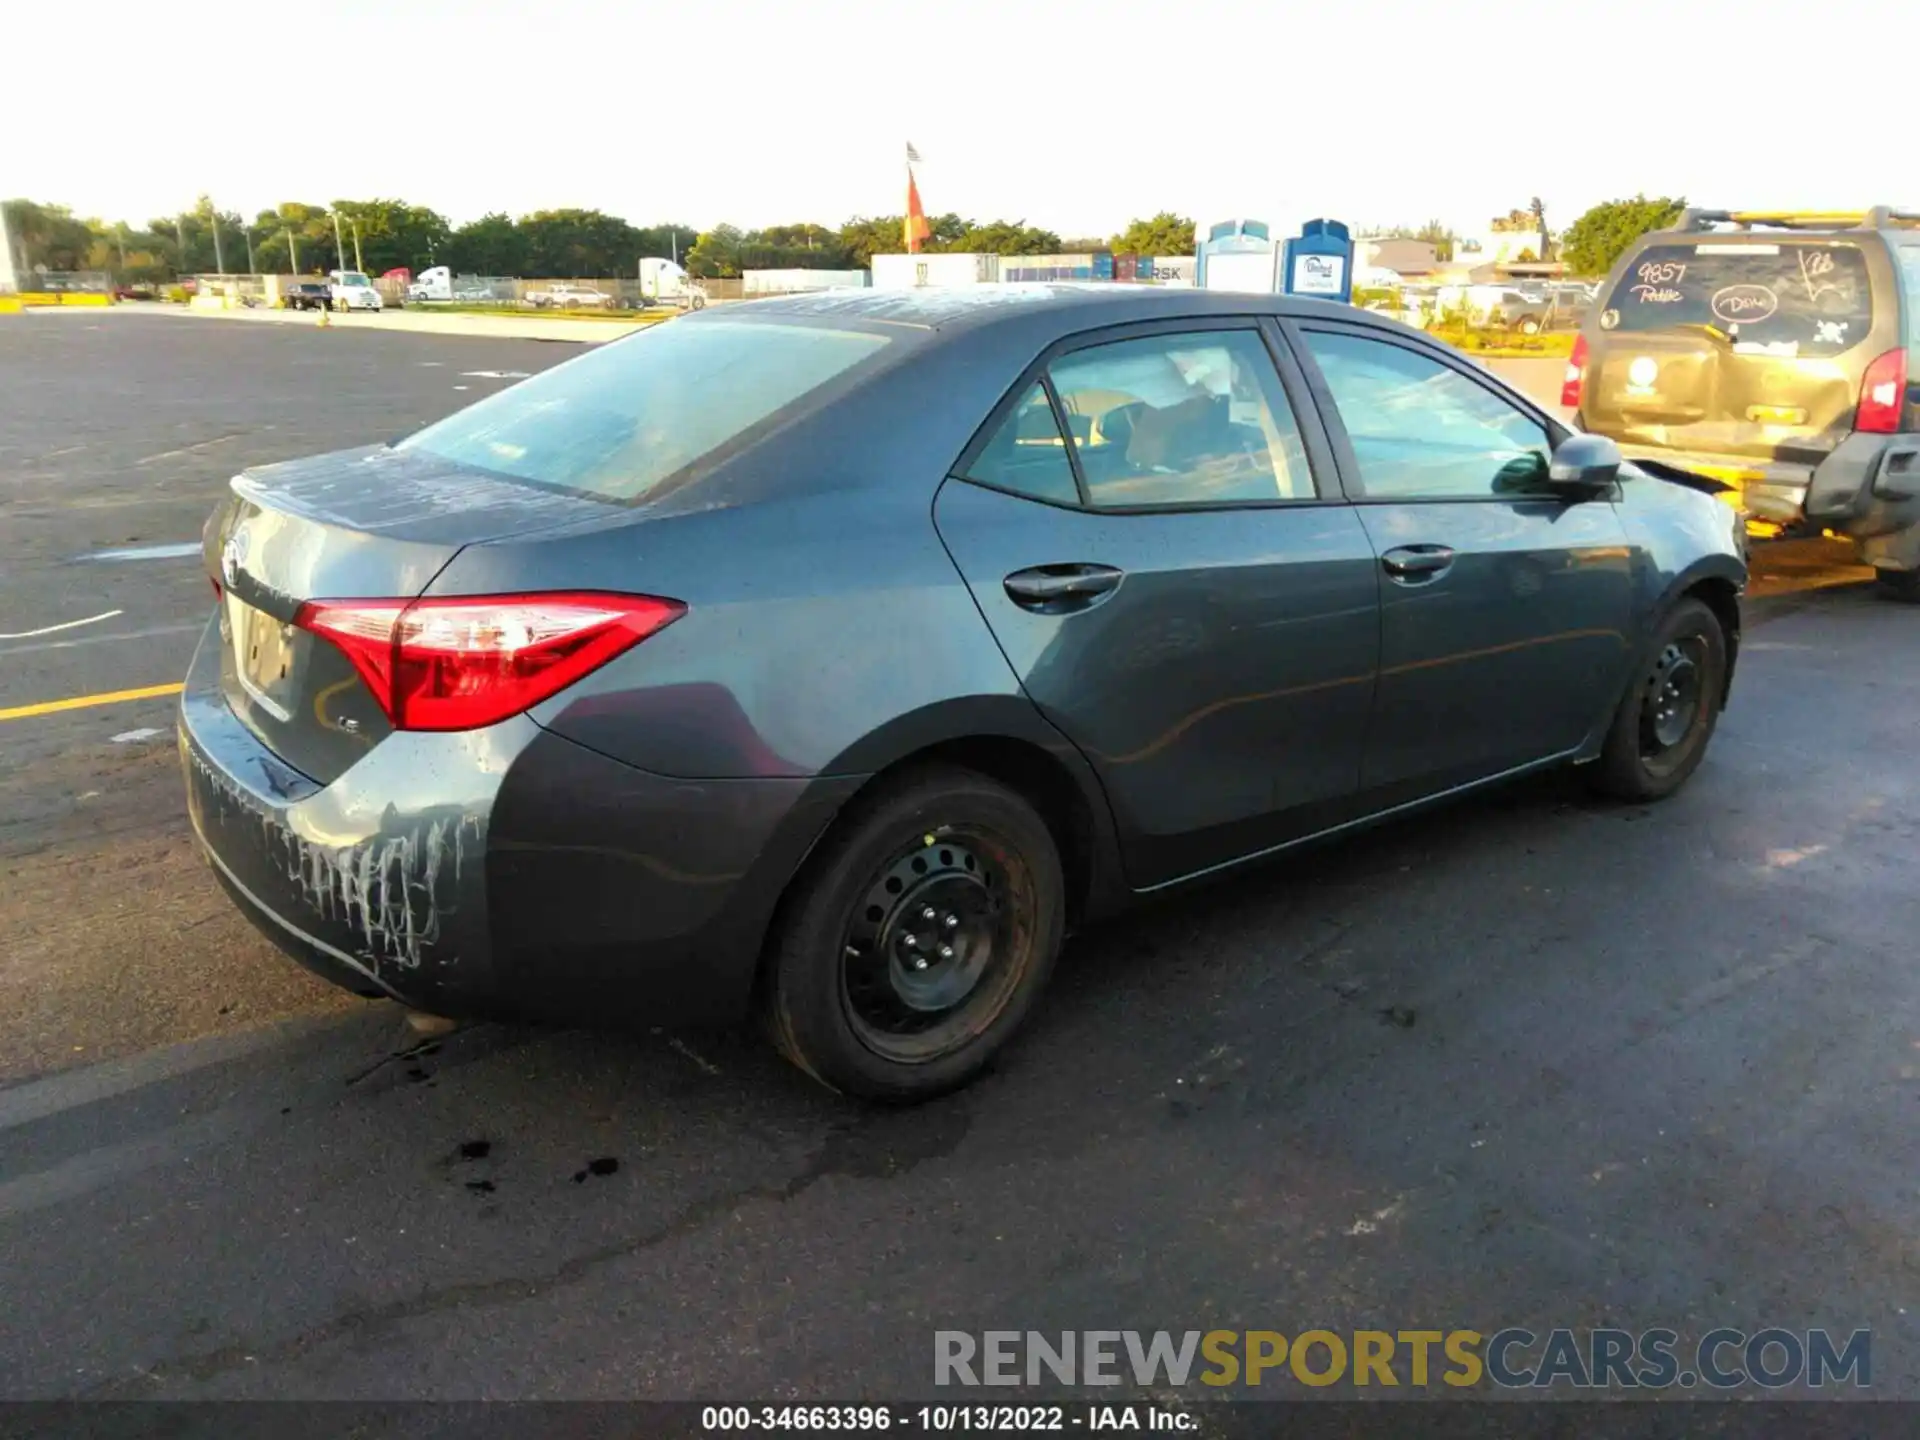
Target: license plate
point(264, 652)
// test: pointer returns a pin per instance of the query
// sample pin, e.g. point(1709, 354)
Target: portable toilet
point(1319, 261)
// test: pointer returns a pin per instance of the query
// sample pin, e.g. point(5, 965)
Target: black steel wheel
point(916, 940)
point(1667, 716)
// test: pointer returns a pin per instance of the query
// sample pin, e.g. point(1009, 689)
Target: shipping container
point(907, 272)
point(1174, 270)
point(800, 282)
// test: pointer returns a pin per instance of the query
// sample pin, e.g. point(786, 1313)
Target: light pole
point(250, 269)
point(293, 253)
point(180, 229)
point(339, 248)
point(213, 223)
point(358, 263)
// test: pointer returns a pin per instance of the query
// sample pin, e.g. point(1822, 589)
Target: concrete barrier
point(10, 305)
point(44, 298)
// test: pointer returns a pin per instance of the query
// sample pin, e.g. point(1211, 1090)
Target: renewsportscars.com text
point(1514, 1358)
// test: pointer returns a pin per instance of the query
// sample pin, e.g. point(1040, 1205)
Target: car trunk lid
point(371, 523)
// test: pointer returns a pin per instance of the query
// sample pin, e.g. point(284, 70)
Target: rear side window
point(1028, 455)
point(1793, 298)
point(1190, 419)
point(623, 418)
point(1910, 282)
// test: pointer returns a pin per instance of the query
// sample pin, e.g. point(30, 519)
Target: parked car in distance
point(568, 297)
point(307, 295)
point(1775, 352)
point(832, 656)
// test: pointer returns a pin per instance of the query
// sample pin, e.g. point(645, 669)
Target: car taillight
point(1883, 395)
point(462, 662)
point(1576, 375)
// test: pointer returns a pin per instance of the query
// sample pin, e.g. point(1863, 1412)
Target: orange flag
point(916, 217)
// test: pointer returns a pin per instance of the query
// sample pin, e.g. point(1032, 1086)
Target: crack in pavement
point(846, 1150)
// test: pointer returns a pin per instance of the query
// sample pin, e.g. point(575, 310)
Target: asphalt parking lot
point(1530, 1061)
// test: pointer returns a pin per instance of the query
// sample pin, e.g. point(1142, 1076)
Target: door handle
point(1417, 562)
point(1059, 589)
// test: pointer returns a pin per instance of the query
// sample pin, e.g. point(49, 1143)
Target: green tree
point(716, 254)
point(491, 245)
point(294, 231)
point(579, 245)
point(1598, 238)
point(393, 234)
point(48, 236)
point(1006, 237)
point(1163, 234)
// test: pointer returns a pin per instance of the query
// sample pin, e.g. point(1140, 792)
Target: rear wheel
point(918, 938)
point(1903, 585)
point(1667, 716)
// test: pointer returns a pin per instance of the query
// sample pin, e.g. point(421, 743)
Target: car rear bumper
point(504, 873)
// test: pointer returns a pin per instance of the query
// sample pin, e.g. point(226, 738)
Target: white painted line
point(494, 374)
point(102, 639)
point(64, 625)
point(148, 552)
point(463, 387)
point(129, 737)
point(432, 364)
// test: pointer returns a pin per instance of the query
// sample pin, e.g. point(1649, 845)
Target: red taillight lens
point(1576, 376)
point(1883, 395)
point(460, 663)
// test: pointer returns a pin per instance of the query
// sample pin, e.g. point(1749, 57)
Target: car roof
point(952, 309)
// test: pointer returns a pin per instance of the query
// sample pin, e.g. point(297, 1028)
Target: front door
point(1181, 589)
point(1505, 608)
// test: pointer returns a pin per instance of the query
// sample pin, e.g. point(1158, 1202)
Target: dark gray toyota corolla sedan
point(831, 657)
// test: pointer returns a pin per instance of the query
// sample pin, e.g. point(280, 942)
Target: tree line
point(380, 235)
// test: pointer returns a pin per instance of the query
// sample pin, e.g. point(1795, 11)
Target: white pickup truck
point(568, 297)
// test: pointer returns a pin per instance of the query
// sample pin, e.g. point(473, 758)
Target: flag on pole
point(916, 226)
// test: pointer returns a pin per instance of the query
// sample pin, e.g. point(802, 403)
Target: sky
point(1075, 115)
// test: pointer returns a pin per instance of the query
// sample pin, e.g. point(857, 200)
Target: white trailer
point(911, 272)
point(800, 282)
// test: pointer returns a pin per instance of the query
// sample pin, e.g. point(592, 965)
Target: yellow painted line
point(83, 702)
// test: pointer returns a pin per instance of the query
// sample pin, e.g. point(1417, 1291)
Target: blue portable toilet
point(1319, 262)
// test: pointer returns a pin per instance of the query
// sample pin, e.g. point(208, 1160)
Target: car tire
point(1666, 718)
point(862, 989)
point(1902, 585)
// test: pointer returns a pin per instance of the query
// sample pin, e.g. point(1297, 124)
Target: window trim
point(1322, 462)
point(1349, 462)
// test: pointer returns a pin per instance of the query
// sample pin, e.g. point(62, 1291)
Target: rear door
point(1180, 586)
point(1750, 348)
point(1505, 609)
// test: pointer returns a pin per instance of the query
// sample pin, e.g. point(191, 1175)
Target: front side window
point(1423, 431)
point(625, 417)
point(1191, 419)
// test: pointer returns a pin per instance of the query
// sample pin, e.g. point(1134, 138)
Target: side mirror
point(1584, 464)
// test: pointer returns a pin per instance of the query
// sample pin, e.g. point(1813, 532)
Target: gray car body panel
point(619, 852)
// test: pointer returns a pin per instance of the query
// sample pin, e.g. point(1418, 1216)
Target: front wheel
point(1667, 716)
point(918, 938)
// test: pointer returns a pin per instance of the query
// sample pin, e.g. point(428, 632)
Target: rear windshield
point(625, 417)
point(1789, 299)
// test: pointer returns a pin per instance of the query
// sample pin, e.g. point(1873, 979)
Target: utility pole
point(250, 269)
point(339, 249)
point(120, 234)
point(293, 253)
point(180, 229)
point(358, 263)
point(213, 222)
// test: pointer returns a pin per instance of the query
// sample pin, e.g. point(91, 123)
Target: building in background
point(1407, 259)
